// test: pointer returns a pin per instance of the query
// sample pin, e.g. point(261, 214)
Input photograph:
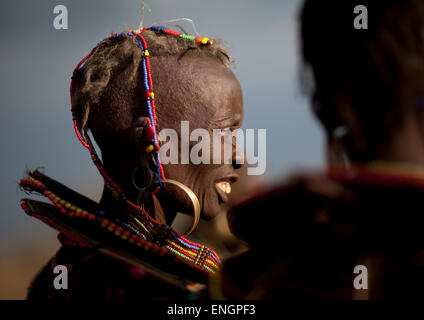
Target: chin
point(216, 198)
point(211, 209)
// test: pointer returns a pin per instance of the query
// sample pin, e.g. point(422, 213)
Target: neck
point(405, 145)
point(154, 209)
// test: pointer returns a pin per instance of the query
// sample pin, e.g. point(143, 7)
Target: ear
point(139, 128)
point(143, 135)
point(357, 145)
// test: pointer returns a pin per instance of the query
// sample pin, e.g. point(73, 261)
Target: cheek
point(221, 150)
point(200, 179)
point(193, 176)
point(177, 172)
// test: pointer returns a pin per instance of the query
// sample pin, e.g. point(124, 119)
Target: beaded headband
point(148, 227)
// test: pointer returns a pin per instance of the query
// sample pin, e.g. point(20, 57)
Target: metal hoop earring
point(194, 200)
point(145, 187)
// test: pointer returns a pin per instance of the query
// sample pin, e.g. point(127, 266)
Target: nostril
point(237, 165)
point(238, 160)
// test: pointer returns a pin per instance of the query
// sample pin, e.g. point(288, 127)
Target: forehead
point(200, 88)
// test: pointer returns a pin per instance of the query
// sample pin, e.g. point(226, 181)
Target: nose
point(239, 158)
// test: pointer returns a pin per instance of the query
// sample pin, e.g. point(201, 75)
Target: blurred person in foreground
point(353, 230)
point(131, 86)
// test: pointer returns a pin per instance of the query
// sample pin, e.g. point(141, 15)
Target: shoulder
point(94, 276)
point(298, 200)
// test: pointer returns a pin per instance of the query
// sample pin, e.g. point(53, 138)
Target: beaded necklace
point(129, 244)
point(148, 227)
point(379, 173)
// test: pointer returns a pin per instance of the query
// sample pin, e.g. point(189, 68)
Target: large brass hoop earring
point(194, 200)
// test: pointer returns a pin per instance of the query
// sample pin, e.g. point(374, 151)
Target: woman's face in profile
point(206, 95)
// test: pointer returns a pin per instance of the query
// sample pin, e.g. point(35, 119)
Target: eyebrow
point(234, 118)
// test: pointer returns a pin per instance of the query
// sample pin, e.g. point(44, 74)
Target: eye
point(226, 131)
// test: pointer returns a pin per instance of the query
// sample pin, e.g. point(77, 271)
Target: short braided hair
point(115, 53)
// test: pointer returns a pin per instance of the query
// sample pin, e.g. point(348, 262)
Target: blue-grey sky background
point(36, 62)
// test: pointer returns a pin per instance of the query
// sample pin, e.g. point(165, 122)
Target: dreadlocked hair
point(114, 54)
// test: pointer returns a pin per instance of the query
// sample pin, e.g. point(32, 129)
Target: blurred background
point(36, 62)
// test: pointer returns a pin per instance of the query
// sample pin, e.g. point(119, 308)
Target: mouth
point(223, 187)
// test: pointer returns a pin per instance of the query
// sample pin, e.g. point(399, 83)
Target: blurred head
point(191, 83)
point(364, 80)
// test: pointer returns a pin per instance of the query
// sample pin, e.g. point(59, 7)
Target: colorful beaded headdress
point(147, 227)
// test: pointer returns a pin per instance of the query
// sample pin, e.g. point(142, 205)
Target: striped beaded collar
point(82, 222)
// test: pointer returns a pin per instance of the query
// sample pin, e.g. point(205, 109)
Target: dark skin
point(197, 89)
point(403, 143)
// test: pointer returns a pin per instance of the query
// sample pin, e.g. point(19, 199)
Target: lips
point(223, 186)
